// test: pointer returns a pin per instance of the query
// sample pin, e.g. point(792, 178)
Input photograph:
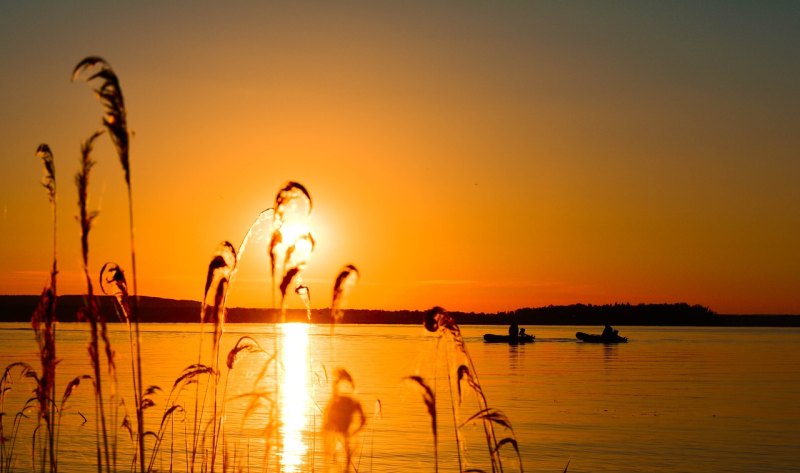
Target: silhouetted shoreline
point(155, 309)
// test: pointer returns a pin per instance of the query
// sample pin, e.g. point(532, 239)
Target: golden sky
point(481, 156)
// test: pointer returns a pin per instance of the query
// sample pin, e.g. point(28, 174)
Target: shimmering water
point(671, 400)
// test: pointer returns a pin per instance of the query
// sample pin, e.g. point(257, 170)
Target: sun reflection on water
point(295, 395)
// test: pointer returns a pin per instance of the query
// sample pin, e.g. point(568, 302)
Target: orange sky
point(478, 156)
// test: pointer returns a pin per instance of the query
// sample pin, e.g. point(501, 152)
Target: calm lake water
point(671, 400)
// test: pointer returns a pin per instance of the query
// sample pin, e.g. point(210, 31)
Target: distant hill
point(155, 309)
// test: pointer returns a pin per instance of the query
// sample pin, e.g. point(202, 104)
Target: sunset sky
point(481, 156)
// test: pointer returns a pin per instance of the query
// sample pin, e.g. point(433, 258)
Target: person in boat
point(609, 332)
point(513, 330)
point(522, 334)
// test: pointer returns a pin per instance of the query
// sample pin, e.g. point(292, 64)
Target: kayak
point(492, 338)
point(593, 338)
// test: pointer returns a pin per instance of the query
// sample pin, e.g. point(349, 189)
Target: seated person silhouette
point(513, 330)
point(608, 331)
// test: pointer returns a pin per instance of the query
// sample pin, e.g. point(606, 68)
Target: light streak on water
point(295, 395)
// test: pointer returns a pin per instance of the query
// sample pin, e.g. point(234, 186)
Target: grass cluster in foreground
point(191, 433)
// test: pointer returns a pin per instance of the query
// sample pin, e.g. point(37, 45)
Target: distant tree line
point(154, 309)
point(617, 314)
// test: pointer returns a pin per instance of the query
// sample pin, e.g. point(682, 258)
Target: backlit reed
point(115, 121)
point(292, 243)
point(91, 311)
point(461, 372)
point(43, 322)
point(220, 269)
point(343, 417)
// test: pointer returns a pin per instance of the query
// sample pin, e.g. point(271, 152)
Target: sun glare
point(295, 395)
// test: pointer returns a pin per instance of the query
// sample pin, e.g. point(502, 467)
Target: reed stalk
point(220, 298)
point(429, 398)
point(343, 416)
point(220, 270)
point(44, 321)
point(116, 123)
point(453, 412)
point(347, 276)
point(290, 247)
point(91, 311)
point(112, 282)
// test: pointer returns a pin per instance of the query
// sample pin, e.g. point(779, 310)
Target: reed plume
point(291, 243)
point(246, 344)
point(295, 260)
point(292, 197)
point(305, 295)
point(110, 95)
point(347, 276)
point(86, 217)
point(44, 153)
point(68, 391)
point(113, 283)
point(220, 269)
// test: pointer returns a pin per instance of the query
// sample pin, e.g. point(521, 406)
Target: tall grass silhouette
point(343, 417)
point(113, 282)
point(461, 374)
point(213, 311)
point(91, 312)
point(115, 122)
point(43, 322)
point(15, 373)
point(195, 409)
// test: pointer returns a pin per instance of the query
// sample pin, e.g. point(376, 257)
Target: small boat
point(594, 338)
point(492, 338)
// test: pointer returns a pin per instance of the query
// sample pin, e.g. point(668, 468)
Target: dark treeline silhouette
point(155, 309)
point(620, 314)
